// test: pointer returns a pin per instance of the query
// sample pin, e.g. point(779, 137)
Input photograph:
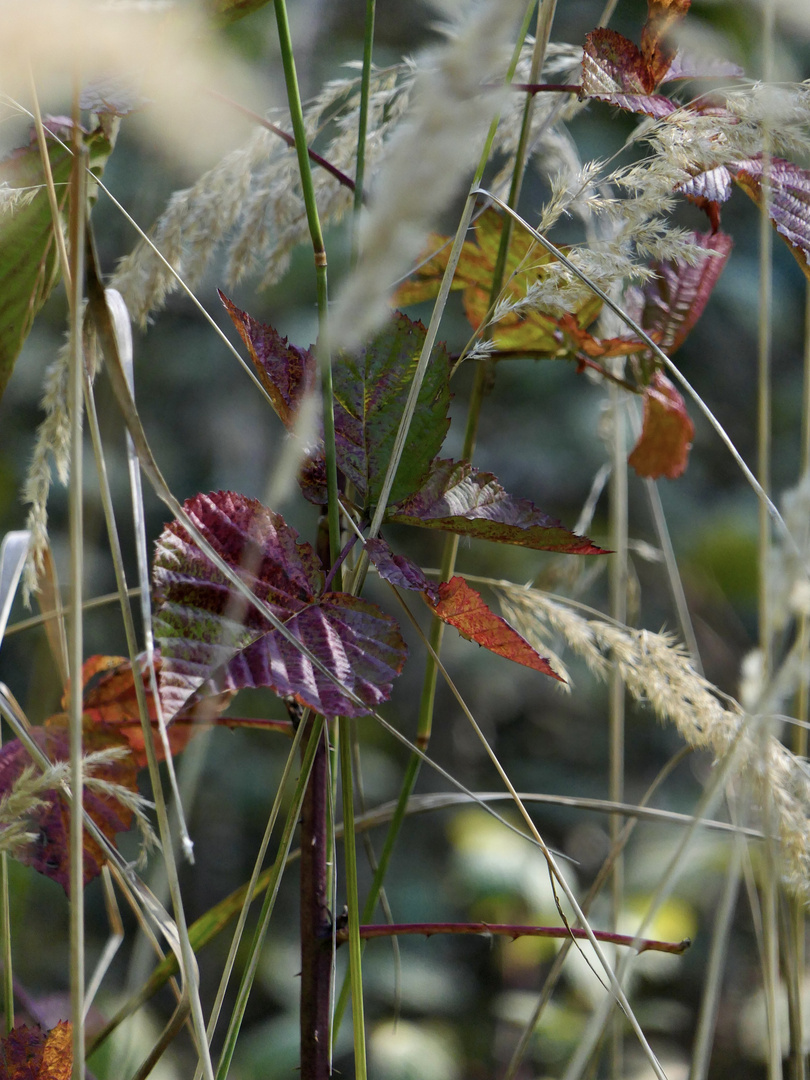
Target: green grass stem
point(76, 225)
point(290, 825)
point(322, 291)
point(355, 947)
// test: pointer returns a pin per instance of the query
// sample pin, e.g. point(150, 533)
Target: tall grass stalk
point(77, 222)
point(453, 130)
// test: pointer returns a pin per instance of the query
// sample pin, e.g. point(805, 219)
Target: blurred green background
point(459, 1001)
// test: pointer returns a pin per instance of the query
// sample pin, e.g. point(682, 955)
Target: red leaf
point(464, 608)
point(29, 1053)
point(667, 432)
point(612, 65)
point(211, 638)
point(49, 852)
point(400, 570)
point(288, 374)
point(458, 498)
point(789, 201)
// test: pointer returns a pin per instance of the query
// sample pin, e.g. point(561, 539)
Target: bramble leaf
point(29, 1053)
point(460, 499)
point(458, 605)
point(29, 267)
point(462, 607)
point(617, 71)
point(399, 570)
point(526, 264)
point(370, 390)
point(211, 639)
point(110, 704)
point(667, 432)
point(613, 66)
point(287, 373)
point(49, 852)
point(669, 306)
point(708, 191)
point(788, 201)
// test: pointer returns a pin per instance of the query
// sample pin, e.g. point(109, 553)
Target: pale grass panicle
point(429, 157)
point(52, 443)
point(251, 202)
point(656, 670)
point(21, 802)
point(190, 229)
point(28, 795)
point(13, 199)
point(167, 50)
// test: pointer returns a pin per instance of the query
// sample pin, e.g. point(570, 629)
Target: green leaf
point(370, 390)
point(29, 266)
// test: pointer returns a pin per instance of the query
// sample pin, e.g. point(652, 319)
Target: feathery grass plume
point(656, 670)
point(29, 794)
point(251, 201)
point(425, 162)
point(52, 441)
point(274, 221)
point(22, 801)
point(190, 229)
point(14, 199)
point(168, 51)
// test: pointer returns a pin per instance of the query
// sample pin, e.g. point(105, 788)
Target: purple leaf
point(788, 203)
point(212, 640)
point(714, 185)
point(689, 67)
point(670, 305)
point(458, 498)
point(399, 570)
point(614, 70)
point(287, 373)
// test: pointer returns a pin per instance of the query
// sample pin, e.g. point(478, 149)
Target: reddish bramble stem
point(510, 930)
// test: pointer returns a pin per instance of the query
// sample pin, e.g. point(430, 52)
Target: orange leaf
point(526, 264)
point(461, 606)
point(667, 432)
point(110, 704)
point(661, 17)
point(29, 1053)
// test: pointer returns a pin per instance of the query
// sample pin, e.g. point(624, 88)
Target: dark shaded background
point(460, 1000)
